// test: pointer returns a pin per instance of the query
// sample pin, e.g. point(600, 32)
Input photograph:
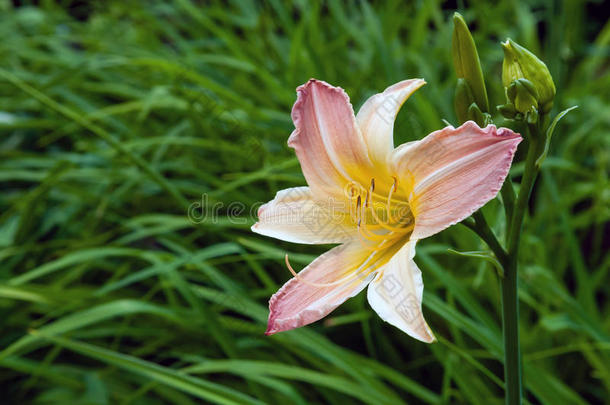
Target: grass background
point(115, 117)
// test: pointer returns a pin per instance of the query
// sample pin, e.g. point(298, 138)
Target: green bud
point(522, 102)
point(523, 95)
point(508, 110)
point(532, 116)
point(519, 63)
point(466, 61)
point(475, 114)
point(463, 99)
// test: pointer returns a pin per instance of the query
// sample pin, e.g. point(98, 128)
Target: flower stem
point(510, 300)
point(508, 198)
point(529, 176)
point(482, 228)
point(510, 329)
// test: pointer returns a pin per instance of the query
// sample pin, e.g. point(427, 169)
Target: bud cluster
point(528, 83)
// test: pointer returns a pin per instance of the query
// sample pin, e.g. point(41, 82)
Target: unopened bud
point(466, 61)
point(523, 95)
point(475, 114)
point(463, 99)
point(519, 63)
point(508, 110)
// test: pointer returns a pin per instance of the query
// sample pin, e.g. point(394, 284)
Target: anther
point(369, 193)
point(358, 204)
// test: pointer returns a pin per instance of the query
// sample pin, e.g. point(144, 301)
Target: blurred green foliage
point(117, 116)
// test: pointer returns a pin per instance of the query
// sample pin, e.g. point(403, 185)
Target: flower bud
point(463, 99)
point(466, 62)
point(519, 63)
point(475, 114)
point(508, 110)
point(523, 95)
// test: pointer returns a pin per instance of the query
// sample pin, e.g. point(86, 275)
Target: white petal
point(376, 117)
point(396, 294)
point(295, 216)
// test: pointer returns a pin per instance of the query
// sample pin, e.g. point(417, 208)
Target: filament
point(384, 225)
point(388, 205)
point(369, 225)
point(345, 279)
point(299, 278)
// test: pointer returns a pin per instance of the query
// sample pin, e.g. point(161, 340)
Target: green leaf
point(202, 389)
point(549, 134)
point(479, 254)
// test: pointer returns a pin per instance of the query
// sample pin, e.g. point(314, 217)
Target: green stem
point(510, 330)
point(510, 300)
point(508, 198)
point(527, 182)
point(481, 228)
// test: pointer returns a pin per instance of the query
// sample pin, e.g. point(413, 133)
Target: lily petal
point(453, 172)
point(294, 216)
point(327, 140)
point(396, 294)
point(376, 117)
point(300, 302)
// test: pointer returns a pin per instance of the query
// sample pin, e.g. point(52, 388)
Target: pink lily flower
point(375, 201)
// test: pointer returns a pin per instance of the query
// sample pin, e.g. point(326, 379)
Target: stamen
point(369, 236)
point(392, 190)
point(373, 237)
point(352, 192)
point(377, 265)
point(374, 229)
point(352, 215)
point(405, 215)
point(361, 241)
point(358, 210)
point(294, 273)
point(369, 193)
point(302, 280)
point(384, 225)
point(373, 245)
point(340, 281)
